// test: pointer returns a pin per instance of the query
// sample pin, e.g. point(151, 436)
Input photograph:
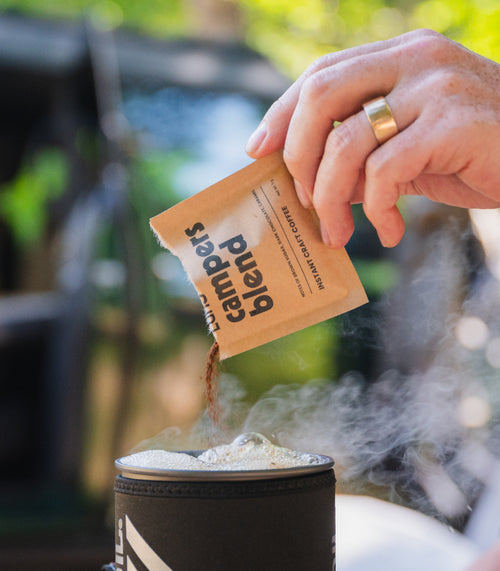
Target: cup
point(252, 520)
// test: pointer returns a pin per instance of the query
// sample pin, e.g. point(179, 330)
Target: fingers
point(390, 170)
point(426, 157)
point(355, 169)
point(333, 168)
point(271, 134)
point(326, 98)
point(341, 179)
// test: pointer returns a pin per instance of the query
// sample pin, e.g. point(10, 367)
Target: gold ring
point(381, 119)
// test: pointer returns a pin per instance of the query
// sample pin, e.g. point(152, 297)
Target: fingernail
point(337, 241)
point(385, 240)
point(304, 196)
point(256, 139)
point(324, 234)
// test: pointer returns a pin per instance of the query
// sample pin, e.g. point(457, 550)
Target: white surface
point(373, 535)
point(484, 524)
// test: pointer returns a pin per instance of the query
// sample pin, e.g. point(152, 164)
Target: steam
point(399, 437)
point(423, 432)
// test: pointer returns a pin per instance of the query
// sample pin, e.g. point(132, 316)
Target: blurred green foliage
point(293, 32)
point(155, 17)
point(307, 354)
point(25, 201)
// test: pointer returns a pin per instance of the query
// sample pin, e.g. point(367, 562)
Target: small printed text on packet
point(303, 248)
point(224, 289)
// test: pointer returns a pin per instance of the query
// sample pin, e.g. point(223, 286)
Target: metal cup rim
point(161, 474)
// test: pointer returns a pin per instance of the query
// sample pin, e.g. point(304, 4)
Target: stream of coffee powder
point(211, 385)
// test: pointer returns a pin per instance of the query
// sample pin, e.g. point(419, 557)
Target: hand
point(446, 103)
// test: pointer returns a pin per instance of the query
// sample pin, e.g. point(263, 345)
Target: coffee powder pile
point(211, 385)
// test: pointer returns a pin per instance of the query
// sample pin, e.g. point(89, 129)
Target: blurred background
point(110, 112)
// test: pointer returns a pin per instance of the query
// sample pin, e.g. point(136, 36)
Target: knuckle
point(320, 63)
point(425, 33)
point(422, 37)
point(433, 45)
point(314, 88)
point(341, 140)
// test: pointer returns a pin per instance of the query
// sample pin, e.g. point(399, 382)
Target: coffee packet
point(256, 258)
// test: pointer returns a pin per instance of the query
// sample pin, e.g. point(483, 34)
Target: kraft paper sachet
point(256, 258)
